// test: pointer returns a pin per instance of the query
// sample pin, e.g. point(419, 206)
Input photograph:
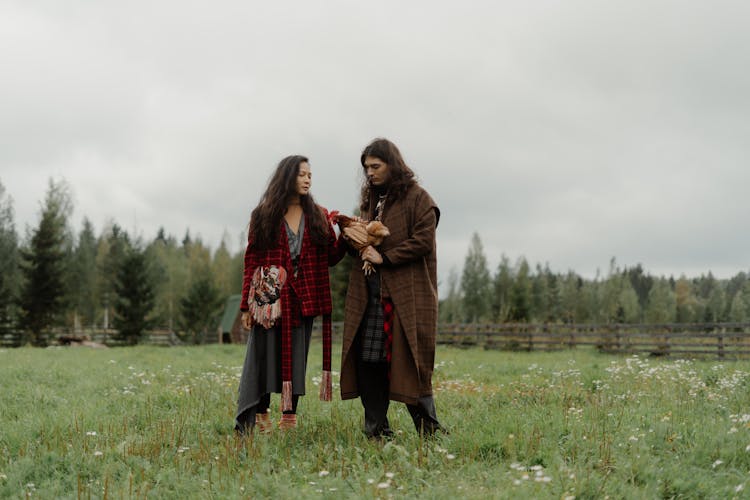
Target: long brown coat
point(411, 282)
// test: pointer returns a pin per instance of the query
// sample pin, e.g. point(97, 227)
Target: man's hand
point(371, 255)
point(357, 234)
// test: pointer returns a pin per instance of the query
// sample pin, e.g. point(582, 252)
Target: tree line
point(519, 293)
point(53, 279)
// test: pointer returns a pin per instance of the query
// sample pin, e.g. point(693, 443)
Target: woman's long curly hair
point(265, 220)
point(401, 176)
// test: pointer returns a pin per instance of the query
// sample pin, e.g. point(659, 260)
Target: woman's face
point(377, 171)
point(304, 179)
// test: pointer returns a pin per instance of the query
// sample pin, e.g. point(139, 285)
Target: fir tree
point(502, 285)
point(200, 310)
point(43, 297)
point(520, 297)
point(83, 277)
point(475, 282)
point(134, 300)
point(8, 264)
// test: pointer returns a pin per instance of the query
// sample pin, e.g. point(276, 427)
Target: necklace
point(380, 206)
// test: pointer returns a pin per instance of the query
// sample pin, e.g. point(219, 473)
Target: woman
point(290, 246)
point(390, 322)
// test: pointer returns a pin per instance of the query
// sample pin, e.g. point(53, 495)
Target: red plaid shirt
point(309, 293)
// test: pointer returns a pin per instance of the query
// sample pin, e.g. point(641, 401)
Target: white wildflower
point(323, 473)
point(450, 456)
point(370, 481)
point(389, 475)
point(98, 453)
point(717, 463)
point(382, 486)
point(91, 433)
point(739, 488)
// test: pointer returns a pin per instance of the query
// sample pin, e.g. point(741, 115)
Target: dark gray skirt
point(261, 373)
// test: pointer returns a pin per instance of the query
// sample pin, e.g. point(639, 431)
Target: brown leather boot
point(263, 422)
point(288, 421)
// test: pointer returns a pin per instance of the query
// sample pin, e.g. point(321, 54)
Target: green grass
point(157, 422)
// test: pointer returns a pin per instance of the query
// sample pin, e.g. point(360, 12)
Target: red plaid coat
point(309, 292)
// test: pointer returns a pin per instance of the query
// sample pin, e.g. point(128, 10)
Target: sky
point(565, 132)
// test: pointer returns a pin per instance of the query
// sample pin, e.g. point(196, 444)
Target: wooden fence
point(714, 340)
point(720, 340)
point(109, 338)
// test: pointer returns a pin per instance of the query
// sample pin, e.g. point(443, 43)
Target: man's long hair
point(401, 176)
point(265, 220)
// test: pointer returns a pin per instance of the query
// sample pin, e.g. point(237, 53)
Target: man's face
point(377, 171)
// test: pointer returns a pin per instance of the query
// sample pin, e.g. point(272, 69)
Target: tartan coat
point(312, 289)
point(409, 278)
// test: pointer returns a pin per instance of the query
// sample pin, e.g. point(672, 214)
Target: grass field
point(157, 422)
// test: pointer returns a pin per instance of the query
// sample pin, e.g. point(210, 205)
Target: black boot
point(425, 417)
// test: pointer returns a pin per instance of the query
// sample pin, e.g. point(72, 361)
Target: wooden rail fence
point(721, 340)
point(109, 338)
point(716, 340)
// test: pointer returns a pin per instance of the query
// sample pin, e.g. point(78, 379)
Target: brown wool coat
point(411, 282)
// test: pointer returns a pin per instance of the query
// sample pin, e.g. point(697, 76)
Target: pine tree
point(641, 284)
point(520, 297)
point(9, 274)
point(109, 257)
point(221, 269)
point(540, 298)
point(476, 283)
point(83, 288)
point(502, 285)
point(450, 307)
point(134, 293)
point(43, 298)
point(200, 310)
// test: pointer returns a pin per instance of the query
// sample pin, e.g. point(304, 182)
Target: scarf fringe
point(326, 387)
point(266, 314)
point(286, 396)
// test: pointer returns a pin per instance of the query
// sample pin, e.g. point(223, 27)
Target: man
point(390, 319)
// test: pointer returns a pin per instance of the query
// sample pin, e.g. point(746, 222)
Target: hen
point(361, 234)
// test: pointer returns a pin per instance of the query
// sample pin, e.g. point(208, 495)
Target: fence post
point(529, 331)
point(720, 340)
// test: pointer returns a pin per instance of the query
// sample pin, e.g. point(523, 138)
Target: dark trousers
point(246, 420)
point(373, 386)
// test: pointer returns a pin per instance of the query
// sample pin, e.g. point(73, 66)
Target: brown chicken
point(361, 234)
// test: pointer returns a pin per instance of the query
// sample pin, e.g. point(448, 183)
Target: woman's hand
point(371, 255)
point(246, 320)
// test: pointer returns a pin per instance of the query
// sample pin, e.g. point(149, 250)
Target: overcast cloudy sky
point(568, 132)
